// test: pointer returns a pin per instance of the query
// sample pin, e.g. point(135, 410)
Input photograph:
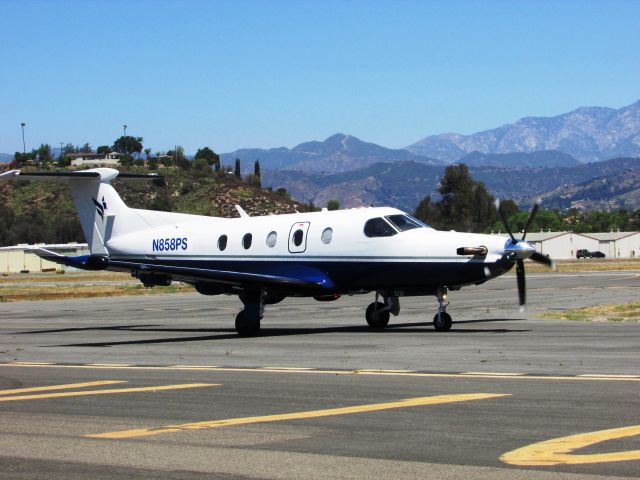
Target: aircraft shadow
point(266, 332)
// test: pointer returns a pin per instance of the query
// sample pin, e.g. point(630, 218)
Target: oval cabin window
point(246, 241)
point(327, 234)
point(272, 238)
point(222, 242)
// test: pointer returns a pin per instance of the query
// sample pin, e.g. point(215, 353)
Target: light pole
point(24, 147)
point(125, 130)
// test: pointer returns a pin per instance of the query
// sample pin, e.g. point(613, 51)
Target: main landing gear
point(442, 321)
point(378, 313)
point(248, 320)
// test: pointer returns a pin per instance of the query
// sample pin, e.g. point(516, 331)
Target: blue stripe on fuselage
point(352, 275)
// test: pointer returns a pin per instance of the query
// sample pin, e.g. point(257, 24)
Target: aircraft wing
point(289, 277)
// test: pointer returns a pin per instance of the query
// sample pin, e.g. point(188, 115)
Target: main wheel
point(442, 322)
point(245, 326)
point(375, 317)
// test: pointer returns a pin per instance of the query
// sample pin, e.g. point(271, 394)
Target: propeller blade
point(522, 289)
point(532, 214)
point(540, 258)
point(506, 224)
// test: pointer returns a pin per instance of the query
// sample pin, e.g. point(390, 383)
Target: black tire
point(443, 323)
point(379, 320)
point(245, 327)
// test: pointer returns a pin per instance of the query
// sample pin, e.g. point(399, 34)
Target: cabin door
point(298, 237)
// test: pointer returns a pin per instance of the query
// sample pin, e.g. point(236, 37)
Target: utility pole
point(125, 130)
point(24, 147)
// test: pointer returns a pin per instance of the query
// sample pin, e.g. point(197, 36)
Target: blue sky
point(233, 74)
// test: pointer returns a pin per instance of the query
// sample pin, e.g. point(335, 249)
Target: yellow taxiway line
point(410, 402)
point(559, 451)
point(60, 387)
point(108, 391)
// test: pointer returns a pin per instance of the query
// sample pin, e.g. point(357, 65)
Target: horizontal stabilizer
point(83, 262)
point(104, 174)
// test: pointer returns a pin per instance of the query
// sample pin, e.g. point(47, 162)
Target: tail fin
point(97, 203)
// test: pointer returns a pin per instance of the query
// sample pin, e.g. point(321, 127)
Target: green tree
point(237, 168)
point(103, 149)
point(333, 204)
point(202, 166)
point(86, 148)
point(128, 145)
point(212, 158)
point(465, 205)
point(45, 153)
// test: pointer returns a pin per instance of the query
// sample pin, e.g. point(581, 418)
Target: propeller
point(518, 250)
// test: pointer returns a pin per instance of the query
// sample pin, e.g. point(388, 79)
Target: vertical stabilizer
point(101, 211)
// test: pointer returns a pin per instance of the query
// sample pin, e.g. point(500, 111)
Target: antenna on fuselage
point(241, 211)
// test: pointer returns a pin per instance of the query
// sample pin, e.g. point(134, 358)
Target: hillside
point(541, 159)
point(338, 153)
point(404, 184)
point(589, 134)
point(34, 212)
point(602, 193)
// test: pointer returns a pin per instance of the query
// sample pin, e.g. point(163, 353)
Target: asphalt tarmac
point(161, 387)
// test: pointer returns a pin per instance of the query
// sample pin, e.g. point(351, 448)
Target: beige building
point(618, 244)
point(85, 159)
point(22, 259)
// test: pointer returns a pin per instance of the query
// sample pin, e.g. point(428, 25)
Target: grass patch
point(63, 292)
point(625, 312)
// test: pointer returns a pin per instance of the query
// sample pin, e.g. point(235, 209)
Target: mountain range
point(405, 184)
point(589, 134)
point(338, 153)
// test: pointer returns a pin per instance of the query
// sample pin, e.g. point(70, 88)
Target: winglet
point(241, 211)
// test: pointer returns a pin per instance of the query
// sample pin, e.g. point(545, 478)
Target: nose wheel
point(442, 321)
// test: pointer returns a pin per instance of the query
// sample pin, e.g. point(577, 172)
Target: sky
point(238, 73)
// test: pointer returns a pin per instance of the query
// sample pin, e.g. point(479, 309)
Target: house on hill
point(90, 159)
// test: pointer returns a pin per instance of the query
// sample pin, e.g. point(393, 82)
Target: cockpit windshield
point(406, 222)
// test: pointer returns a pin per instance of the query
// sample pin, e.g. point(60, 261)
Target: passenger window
point(246, 241)
point(272, 238)
point(377, 227)
point(327, 234)
point(222, 242)
point(298, 235)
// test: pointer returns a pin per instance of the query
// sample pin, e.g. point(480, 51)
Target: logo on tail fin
point(100, 207)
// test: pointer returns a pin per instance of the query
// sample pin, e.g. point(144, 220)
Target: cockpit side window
point(378, 227)
point(405, 222)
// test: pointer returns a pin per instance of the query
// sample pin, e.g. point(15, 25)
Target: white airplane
point(264, 259)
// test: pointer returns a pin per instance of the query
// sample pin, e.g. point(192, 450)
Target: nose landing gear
point(442, 321)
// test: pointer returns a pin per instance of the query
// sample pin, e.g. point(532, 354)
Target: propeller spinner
point(519, 250)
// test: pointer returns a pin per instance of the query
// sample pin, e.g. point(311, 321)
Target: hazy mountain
point(338, 153)
point(541, 159)
point(404, 184)
point(5, 157)
point(588, 134)
point(602, 193)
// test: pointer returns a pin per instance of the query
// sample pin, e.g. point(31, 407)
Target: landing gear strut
point(442, 321)
point(378, 313)
point(248, 320)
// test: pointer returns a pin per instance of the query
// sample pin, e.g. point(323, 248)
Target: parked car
point(583, 253)
point(597, 254)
